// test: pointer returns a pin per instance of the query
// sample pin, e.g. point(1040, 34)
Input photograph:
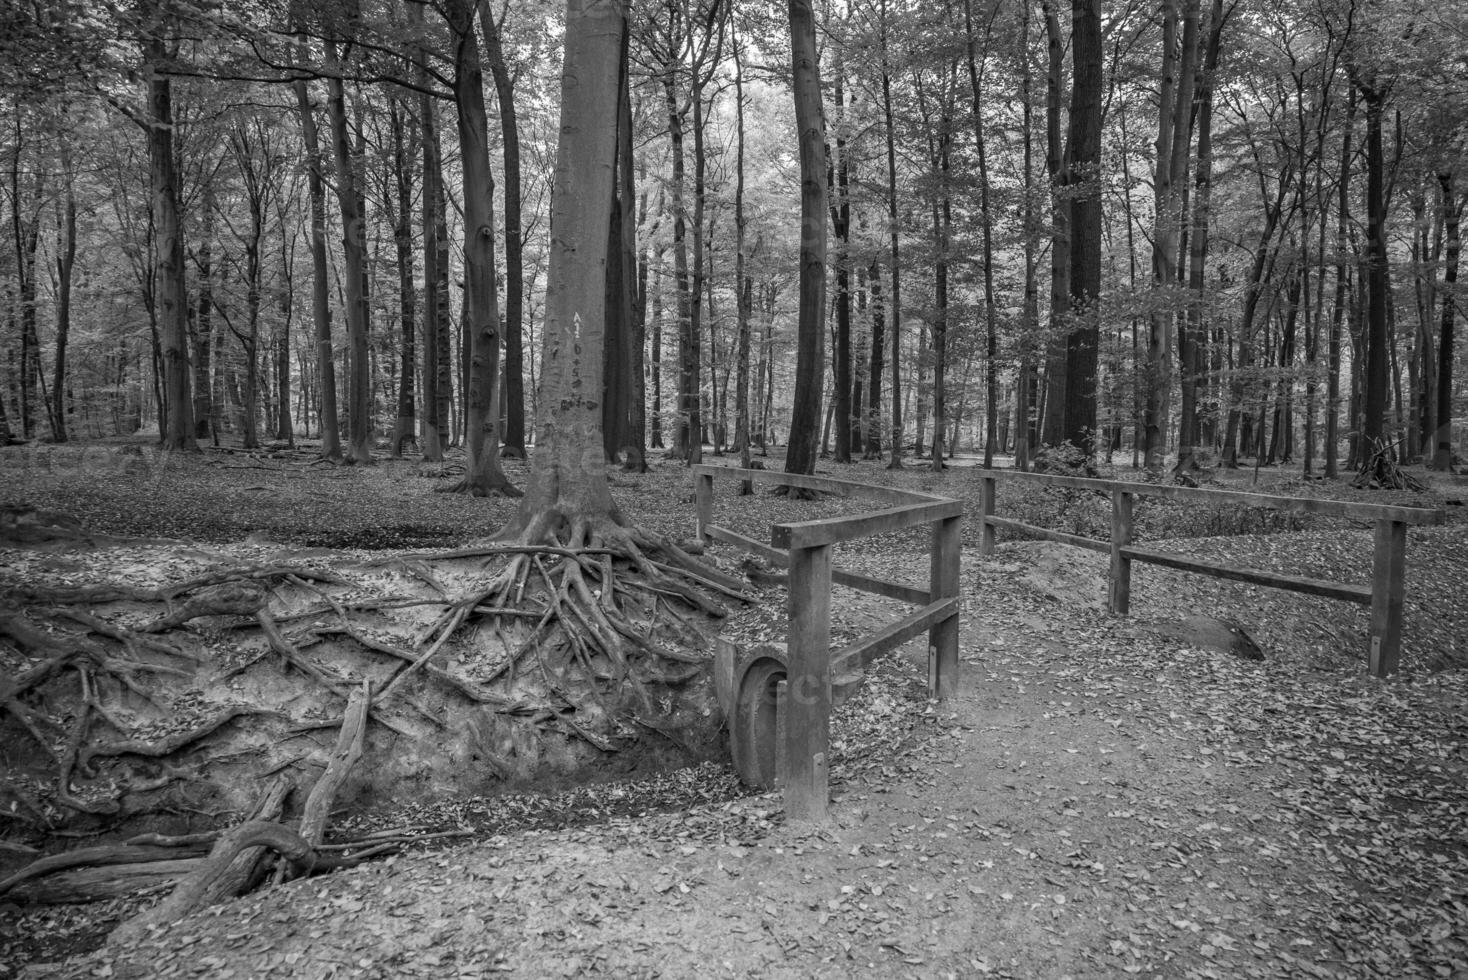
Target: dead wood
point(348, 750)
point(241, 872)
point(193, 890)
point(96, 884)
point(97, 857)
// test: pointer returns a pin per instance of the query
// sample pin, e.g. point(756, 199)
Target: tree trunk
point(620, 360)
point(1084, 182)
point(65, 264)
point(353, 279)
point(896, 460)
point(1053, 427)
point(1442, 457)
point(874, 377)
point(805, 419)
point(1192, 338)
point(331, 448)
point(171, 293)
point(481, 306)
point(686, 445)
point(991, 326)
point(568, 481)
point(514, 435)
point(1373, 428)
point(405, 429)
point(743, 283)
point(838, 180)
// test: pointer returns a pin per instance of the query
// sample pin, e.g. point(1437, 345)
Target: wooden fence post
point(986, 511)
point(1388, 582)
point(1121, 565)
point(703, 503)
point(808, 697)
point(943, 636)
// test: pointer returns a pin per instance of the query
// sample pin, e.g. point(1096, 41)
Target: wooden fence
point(1384, 594)
point(804, 548)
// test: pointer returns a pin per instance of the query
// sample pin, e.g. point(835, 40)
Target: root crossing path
point(1097, 801)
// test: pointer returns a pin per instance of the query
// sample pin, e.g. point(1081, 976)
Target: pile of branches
point(1380, 471)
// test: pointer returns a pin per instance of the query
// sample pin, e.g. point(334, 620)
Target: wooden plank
point(845, 488)
point(1121, 565)
point(808, 703)
point(1077, 540)
point(1388, 587)
point(1296, 505)
point(864, 583)
point(772, 555)
point(1257, 576)
point(860, 654)
point(943, 634)
point(703, 504)
point(811, 534)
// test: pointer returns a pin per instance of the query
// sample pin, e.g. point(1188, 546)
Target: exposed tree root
point(169, 744)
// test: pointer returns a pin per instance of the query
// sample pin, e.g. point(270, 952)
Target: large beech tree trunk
point(805, 421)
point(1373, 425)
point(1085, 225)
point(168, 275)
point(568, 467)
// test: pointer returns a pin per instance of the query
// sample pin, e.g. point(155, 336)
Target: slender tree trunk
point(809, 121)
point(1442, 457)
point(481, 305)
point(1194, 333)
point(894, 233)
point(874, 377)
point(405, 429)
point(1053, 428)
point(65, 264)
point(514, 436)
point(320, 288)
point(838, 181)
point(743, 283)
point(354, 250)
point(1373, 426)
point(991, 325)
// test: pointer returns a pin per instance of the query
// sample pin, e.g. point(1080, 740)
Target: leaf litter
point(1099, 801)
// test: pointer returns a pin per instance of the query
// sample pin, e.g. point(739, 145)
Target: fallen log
point(191, 892)
point(77, 886)
point(98, 857)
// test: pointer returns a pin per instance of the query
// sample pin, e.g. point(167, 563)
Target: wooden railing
point(1388, 574)
point(804, 548)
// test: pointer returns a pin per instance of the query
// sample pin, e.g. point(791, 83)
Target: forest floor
point(1105, 797)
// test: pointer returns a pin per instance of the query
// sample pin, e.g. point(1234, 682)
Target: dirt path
point(1097, 802)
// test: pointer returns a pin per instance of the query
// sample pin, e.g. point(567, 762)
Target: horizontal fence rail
point(1388, 575)
point(804, 548)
